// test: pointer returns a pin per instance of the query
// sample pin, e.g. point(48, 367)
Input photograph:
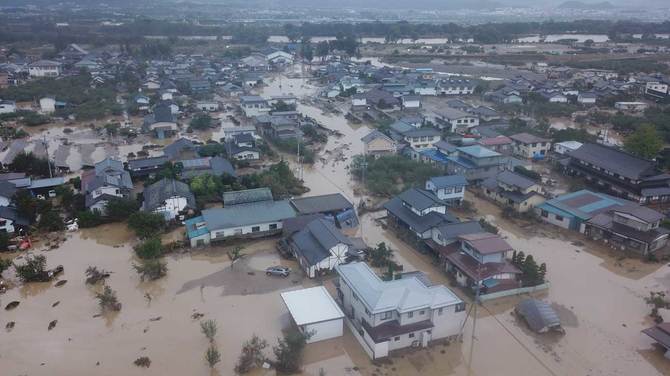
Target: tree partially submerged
point(33, 269)
point(107, 300)
point(149, 249)
point(95, 275)
point(212, 356)
point(252, 355)
point(209, 329)
point(151, 269)
point(146, 224)
point(288, 352)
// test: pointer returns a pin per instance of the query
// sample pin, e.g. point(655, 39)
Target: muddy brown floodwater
point(598, 297)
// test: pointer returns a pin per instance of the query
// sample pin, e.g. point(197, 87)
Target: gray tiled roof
point(321, 204)
point(613, 160)
point(316, 239)
point(420, 199)
point(246, 196)
point(513, 179)
point(156, 193)
point(448, 181)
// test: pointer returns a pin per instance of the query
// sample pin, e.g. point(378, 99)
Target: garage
point(314, 310)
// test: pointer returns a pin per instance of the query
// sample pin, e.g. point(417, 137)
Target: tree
point(251, 355)
point(201, 122)
point(146, 224)
point(93, 275)
point(51, 221)
point(235, 254)
point(119, 208)
point(645, 142)
point(520, 258)
point(151, 269)
point(151, 248)
point(380, 255)
point(108, 300)
point(209, 329)
point(212, 356)
point(542, 272)
point(307, 51)
point(33, 270)
point(4, 241)
point(531, 275)
point(26, 204)
point(30, 164)
point(206, 186)
point(89, 218)
point(288, 352)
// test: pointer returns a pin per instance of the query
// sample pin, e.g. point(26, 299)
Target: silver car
point(278, 270)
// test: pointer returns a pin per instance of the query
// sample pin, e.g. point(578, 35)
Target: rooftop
point(247, 214)
point(311, 305)
point(321, 204)
point(478, 151)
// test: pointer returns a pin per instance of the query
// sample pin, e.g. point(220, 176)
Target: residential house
point(44, 68)
point(243, 147)
point(7, 107)
point(658, 90)
point(11, 221)
point(444, 238)
point(421, 139)
point(480, 261)
point(334, 207)
point(48, 105)
point(587, 98)
point(619, 173)
point(513, 190)
point(146, 166)
point(320, 246)
point(216, 166)
point(475, 162)
point(661, 334)
point(485, 113)
point(106, 180)
point(245, 220)
point(565, 147)
point(209, 106)
point(418, 211)
point(254, 105)
point(504, 96)
point(455, 86)
point(161, 123)
point(169, 198)
point(501, 144)
point(410, 102)
point(449, 188)
point(571, 211)
point(631, 106)
point(392, 315)
point(456, 121)
point(530, 146)
point(630, 228)
point(247, 196)
point(382, 99)
point(180, 149)
point(377, 144)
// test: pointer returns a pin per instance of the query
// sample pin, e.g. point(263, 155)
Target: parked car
point(282, 271)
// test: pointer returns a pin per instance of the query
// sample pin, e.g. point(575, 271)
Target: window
point(273, 226)
point(422, 312)
point(460, 307)
point(410, 315)
point(411, 335)
point(440, 311)
point(559, 218)
point(386, 315)
point(458, 189)
point(256, 229)
point(396, 339)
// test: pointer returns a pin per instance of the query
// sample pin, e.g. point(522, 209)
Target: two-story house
point(420, 139)
point(377, 144)
point(44, 68)
point(530, 146)
point(475, 162)
point(630, 227)
point(449, 188)
point(456, 121)
point(320, 246)
point(107, 180)
point(418, 211)
point(619, 173)
point(513, 190)
point(254, 105)
point(169, 198)
point(481, 260)
point(393, 315)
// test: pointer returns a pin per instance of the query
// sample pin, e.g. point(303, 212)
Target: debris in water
point(10, 326)
point(56, 303)
point(61, 283)
point(12, 305)
point(197, 316)
point(143, 361)
point(96, 315)
point(53, 324)
point(156, 318)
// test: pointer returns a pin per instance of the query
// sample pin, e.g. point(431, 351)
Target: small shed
point(314, 311)
point(539, 315)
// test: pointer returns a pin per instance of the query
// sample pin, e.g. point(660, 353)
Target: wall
point(324, 330)
point(172, 207)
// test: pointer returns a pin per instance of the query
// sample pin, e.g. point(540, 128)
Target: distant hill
point(586, 6)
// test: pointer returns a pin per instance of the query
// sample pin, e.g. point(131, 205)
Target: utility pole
point(474, 320)
point(46, 148)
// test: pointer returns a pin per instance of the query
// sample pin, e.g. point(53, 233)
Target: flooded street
point(598, 297)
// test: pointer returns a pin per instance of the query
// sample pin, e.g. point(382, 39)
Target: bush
point(209, 329)
point(4, 265)
point(146, 224)
point(149, 249)
point(201, 122)
point(527, 173)
point(488, 227)
point(212, 356)
point(390, 175)
point(108, 300)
